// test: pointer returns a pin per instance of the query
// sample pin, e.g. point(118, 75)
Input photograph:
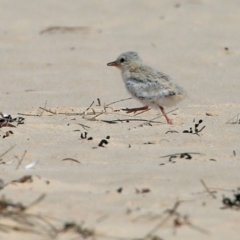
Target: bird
point(149, 86)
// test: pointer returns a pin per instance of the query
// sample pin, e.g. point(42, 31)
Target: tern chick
point(149, 86)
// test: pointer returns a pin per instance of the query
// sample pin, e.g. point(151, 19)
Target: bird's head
point(126, 61)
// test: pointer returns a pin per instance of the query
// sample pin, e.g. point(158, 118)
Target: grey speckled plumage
point(146, 84)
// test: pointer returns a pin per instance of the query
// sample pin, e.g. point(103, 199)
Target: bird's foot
point(169, 121)
point(134, 110)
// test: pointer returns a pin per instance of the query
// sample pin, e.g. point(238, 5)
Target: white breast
point(125, 75)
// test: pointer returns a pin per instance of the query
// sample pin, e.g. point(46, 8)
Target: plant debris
point(119, 190)
point(15, 218)
point(99, 102)
point(71, 159)
point(196, 130)
point(143, 190)
point(211, 193)
point(4, 153)
point(26, 178)
point(211, 114)
point(84, 136)
point(127, 120)
point(23, 221)
point(178, 220)
point(20, 161)
point(84, 232)
point(85, 127)
point(171, 131)
point(63, 29)
point(234, 120)
point(232, 203)
point(121, 100)
point(102, 142)
point(6, 119)
point(186, 155)
point(7, 134)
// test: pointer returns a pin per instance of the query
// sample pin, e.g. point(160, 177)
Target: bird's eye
point(122, 60)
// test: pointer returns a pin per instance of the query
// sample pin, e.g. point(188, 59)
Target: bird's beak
point(112, 64)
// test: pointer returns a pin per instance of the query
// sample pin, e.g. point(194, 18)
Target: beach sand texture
point(93, 164)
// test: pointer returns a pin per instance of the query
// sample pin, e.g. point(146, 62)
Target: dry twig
point(20, 161)
point(47, 110)
point(207, 189)
point(71, 159)
point(233, 121)
point(4, 153)
point(117, 101)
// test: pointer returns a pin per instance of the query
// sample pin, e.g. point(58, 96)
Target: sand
point(54, 56)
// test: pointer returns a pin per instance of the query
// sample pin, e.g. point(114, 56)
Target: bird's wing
point(151, 90)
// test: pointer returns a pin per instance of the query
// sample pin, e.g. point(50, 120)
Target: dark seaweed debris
point(195, 130)
point(232, 203)
point(6, 119)
point(84, 136)
point(186, 155)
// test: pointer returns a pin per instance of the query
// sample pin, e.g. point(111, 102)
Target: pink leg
point(130, 110)
point(169, 121)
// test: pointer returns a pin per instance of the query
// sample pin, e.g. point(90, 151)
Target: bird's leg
point(169, 121)
point(130, 110)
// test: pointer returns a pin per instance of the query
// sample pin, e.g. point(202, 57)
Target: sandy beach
point(74, 165)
